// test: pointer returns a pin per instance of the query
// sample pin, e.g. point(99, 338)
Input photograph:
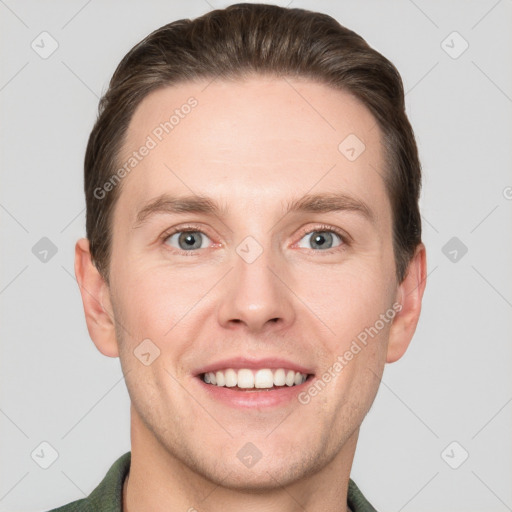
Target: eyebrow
point(311, 203)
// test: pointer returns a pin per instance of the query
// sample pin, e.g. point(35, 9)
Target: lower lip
point(254, 398)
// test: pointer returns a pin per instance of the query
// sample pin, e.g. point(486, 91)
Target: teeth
point(219, 377)
point(279, 377)
point(290, 378)
point(263, 378)
point(230, 377)
point(245, 379)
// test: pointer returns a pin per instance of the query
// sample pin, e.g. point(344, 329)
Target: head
point(279, 139)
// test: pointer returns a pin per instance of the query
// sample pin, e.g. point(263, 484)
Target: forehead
point(264, 138)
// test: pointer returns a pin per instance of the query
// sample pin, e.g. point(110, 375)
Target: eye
point(187, 240)
point(322, 239)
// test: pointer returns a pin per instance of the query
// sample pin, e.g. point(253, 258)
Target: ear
point(409, 295)
point(96, 299)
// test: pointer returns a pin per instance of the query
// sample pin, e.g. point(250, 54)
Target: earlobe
point(410, 295)
point(96, 300)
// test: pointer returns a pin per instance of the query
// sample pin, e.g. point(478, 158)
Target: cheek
point(152, 301)
point(348, 298)
point(163, 305)
point(356, 304)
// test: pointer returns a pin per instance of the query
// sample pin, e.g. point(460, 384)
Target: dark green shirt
point(107, 497)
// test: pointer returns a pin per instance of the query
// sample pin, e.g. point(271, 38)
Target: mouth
point(248, 379)
point(247, 383)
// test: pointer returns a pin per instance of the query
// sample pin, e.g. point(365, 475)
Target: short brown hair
point(243, 40)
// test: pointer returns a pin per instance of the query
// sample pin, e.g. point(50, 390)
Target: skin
point(252, 146)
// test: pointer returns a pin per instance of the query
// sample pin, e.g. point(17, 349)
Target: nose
point(256, 296)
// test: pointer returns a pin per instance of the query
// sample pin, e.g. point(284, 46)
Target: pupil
point(190, 240)
point(319, 240)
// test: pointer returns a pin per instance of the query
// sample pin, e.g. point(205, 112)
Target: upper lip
point(244, 362)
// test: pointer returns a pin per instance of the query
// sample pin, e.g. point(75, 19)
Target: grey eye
point(187, 240)
point(321, 240)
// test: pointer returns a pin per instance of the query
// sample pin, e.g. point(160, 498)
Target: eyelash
point(323, 227)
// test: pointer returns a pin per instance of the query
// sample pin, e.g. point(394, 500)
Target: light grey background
point(455, 381)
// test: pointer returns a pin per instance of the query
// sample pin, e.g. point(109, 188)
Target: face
point(282, 265)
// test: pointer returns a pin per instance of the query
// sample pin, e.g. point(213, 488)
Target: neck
point(159, 481)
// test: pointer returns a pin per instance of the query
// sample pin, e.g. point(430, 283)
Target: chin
point(261, 478)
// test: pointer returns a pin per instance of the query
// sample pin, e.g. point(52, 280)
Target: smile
point(245, 378)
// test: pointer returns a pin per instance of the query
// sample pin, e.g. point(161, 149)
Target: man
point(253, 256)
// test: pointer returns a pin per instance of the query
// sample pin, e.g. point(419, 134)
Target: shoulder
point(356, 500)
point(107, 496)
